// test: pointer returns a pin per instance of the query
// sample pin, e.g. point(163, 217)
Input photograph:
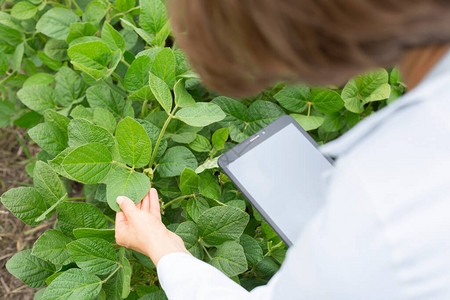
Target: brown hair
point(239, 47)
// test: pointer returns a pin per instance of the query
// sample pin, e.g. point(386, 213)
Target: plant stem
point(111, 275)
point(177, 199)
point(206, 250)
point(142, 109)
point(76, 198)
point(125, 12)
point(122, 165)
point(309, 108)
point(6, 78)
point(220, 203)
point(125, 62)
point(161, 134)
point(109, 219)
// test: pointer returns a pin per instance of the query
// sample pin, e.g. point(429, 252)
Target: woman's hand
point(139, 227)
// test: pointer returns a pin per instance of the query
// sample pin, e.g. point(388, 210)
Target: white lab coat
point(384, 232)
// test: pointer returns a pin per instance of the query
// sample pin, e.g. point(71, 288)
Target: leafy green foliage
point(29, 268)
point(115, 109)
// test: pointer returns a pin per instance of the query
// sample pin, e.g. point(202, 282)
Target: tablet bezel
point(250, 143)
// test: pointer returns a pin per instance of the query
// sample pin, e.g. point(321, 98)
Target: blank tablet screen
point(285, 175)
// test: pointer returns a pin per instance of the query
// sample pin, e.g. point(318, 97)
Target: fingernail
point(119, 200)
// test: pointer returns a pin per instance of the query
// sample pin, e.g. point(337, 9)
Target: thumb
point(126, 205)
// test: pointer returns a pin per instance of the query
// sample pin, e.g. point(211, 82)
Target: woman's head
point(239, 47)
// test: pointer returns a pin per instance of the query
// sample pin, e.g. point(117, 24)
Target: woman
point(384, 232)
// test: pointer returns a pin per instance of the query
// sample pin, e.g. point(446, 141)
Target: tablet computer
point(282, 173)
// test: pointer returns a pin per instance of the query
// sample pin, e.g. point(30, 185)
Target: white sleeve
point(184, 277)
point(341, 254)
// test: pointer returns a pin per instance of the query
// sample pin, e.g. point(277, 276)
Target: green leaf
point(252, 250)
point(112, 37)
point(50, 210)
point(238, 204)
point(234, 109)
point(134, 144)
point(219, 137)
point(91, 56)
point(101, 96)
point(209, 186)
point(332, 123)
point(326, 101)
point(124, 5)
point(188, 231)
point(267, 266)
point(73, 284)
point(153, 15)
point(125, 273)
point(137, 78)
point(55, 163)
point(195, 207)
point(106, 234)
point(294, 98)
point(381, 93)
point(89, 163)
point(358, 90)
point(153, 133)
point(189, 182)
point(51, 246)
point(164, 66)
point(69, 86)
point(104, 118)
point(161, 91)
point(49, 62)
point(261, 114)
point(30, 269)
point(55, 22)
point(123, 182)
point(73, 215)
point(200, 144)
point(94, 255)
point(82, 132)
point(39, 78)
point(230, 259)
point(56, 49)
point(222, 223)
point(142, 33)
point(200, 114)
point(175, 160)
point(6, 107)
point(162, 35)
point(28, 120)
point(60, 121)
point(182, 96)
point(17, 57)
point(47, 183)
point(94, 12)
point(26, 203)
point(158, 295)
point(308, 123)
point(81, 112)
point(77, 30)
point(37, 97)
point(11, 32)
point(23, 10)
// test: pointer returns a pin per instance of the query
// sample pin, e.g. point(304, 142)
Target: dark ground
point(14, 234)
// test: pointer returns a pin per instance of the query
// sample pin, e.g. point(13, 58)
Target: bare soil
point(15, 235)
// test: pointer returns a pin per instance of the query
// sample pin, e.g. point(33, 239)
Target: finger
point(154, 204)
point(146, 202)
point(139, 205)
point(120, 218)
point(127, 206)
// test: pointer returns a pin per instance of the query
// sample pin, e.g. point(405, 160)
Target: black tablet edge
point(251, 142)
